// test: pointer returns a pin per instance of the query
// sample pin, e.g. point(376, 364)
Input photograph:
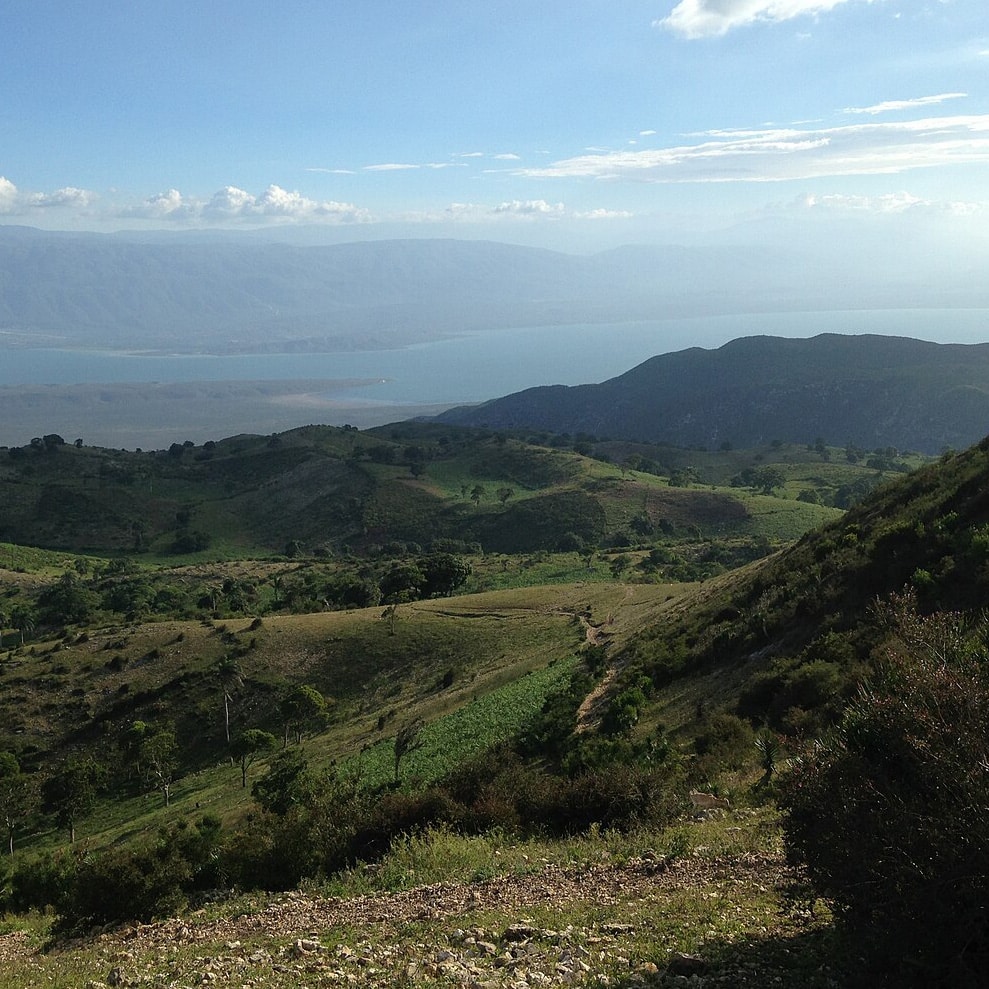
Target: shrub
point(890, 814)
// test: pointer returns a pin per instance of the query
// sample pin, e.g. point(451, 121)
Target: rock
point(681, 964)
point(519, 932)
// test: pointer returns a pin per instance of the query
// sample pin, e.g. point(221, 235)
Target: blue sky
point(578, 125)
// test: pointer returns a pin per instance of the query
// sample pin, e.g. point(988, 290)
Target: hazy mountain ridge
point(868, 390)
point(238, 293)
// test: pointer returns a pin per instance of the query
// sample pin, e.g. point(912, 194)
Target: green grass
point(468, 731)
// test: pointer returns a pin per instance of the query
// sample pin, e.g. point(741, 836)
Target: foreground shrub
point(890, 815)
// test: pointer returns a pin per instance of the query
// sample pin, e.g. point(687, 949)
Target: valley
point(265, 663)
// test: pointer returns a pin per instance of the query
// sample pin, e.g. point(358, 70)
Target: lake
point(486, 365)
point(109, 398)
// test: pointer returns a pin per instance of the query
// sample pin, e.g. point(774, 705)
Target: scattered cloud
point(888, 105)
point(233, 204)
point(525, 210)
point(890, 204)
point(470, 154)
point(530, 207)
point(646, 133)
point(604, 214)
point(333, 171)
point(389, 167)
point(15, 202)
point(508, 156)
point(783, 154)
point(712, 18)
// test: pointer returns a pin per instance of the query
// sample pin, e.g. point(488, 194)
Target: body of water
point(486, 365)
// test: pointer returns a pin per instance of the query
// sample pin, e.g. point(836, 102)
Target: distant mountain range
point(873, 391)
point(228, 293)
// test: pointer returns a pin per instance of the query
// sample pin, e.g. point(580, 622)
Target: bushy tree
point(890, 813)
point(303, 708)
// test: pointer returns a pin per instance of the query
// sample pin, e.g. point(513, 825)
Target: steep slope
point(872, 391)
point(790, 637)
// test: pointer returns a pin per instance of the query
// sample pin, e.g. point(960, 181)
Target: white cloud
point(162, 206)
point(889, 105)
point(530, 207)
point(783, 154)
point(8, 195)
point(69, 196)
point(604, 214)
point(890, 204)
point(470, 154)
point(706, 18)
point(508, 156)
point(231, 204)
point(646, 133)
point(523, 210)
point(14, 202)
point(389, 167)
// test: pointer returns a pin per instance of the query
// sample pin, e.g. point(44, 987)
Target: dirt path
point(442, 932)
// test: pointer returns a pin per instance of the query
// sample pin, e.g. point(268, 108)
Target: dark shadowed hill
point(872, 391)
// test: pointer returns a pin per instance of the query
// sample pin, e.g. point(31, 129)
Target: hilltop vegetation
point(871, 391)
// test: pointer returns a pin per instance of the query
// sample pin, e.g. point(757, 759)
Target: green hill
point(868, 390)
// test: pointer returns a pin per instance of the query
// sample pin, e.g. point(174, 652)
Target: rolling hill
point(867, 390)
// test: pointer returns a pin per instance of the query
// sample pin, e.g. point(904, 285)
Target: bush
point(890, 814)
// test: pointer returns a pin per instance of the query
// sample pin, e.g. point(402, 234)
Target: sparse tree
point(71, 791)
point(476, 494)
point(505, 493)
point(408, 739)
point(231, 680)
point(246, 748)
point(16, 796)
point(159, 754)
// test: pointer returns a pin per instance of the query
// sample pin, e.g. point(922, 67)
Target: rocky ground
point(591, 926)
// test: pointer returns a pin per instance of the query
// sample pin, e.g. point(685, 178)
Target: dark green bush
point(890, 814)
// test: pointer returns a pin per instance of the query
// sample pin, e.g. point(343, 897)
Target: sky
point(577, 125)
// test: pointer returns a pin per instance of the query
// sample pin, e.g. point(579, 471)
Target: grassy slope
point(505, 651)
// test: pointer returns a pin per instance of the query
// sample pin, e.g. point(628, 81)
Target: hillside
point(868, 390)
point(787, 641)
point(552, 733)
point(323, 491)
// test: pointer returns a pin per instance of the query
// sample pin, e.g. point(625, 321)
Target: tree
point(767, 479)
point(476, 494)
point(303, 708)
point(287, 782)
point(159, 754)
point(246, 748)
point(16, 795)
point(67, 601)
point(231, 680)
point(443, 573)
point(71, 791)
point(504, 494)
point(408, 739)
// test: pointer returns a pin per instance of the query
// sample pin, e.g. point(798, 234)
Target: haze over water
point(481, 366)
